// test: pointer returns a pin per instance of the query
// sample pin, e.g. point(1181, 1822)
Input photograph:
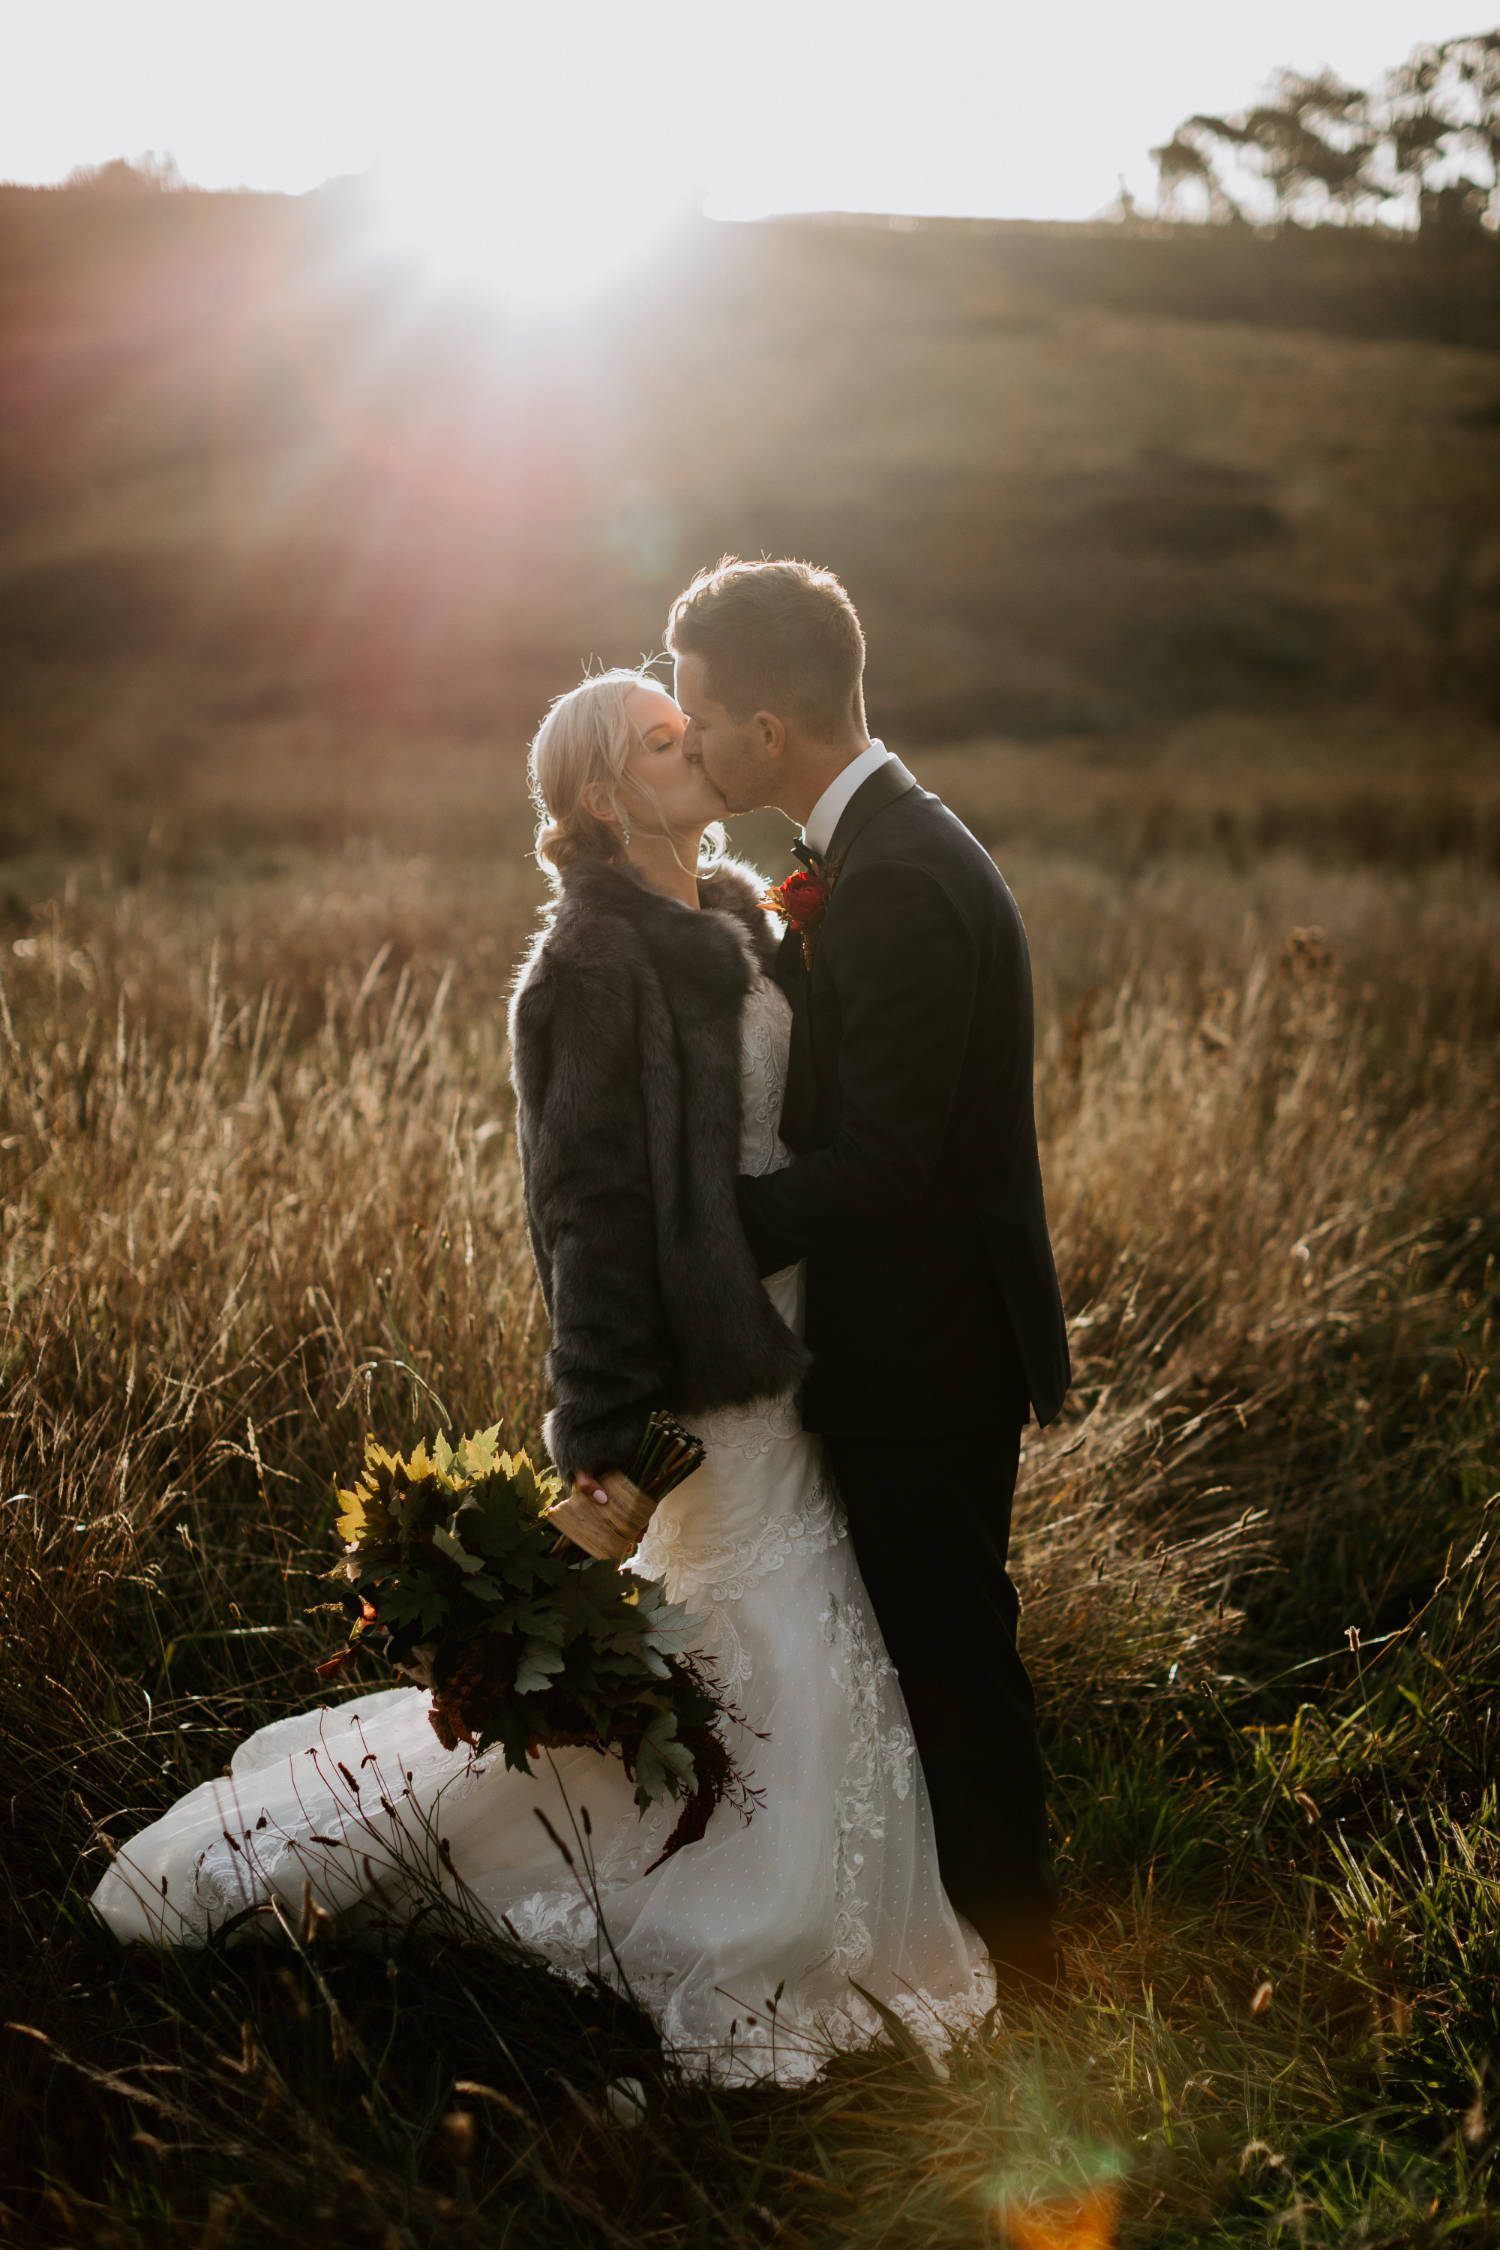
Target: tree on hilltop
point(1419, 150)
point(147, 175)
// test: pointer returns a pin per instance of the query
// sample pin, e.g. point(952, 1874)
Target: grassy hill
point(294, 544)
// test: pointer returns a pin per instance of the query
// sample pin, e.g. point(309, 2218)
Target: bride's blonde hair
point(586, 736)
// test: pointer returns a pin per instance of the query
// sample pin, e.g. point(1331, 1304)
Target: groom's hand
point(770, 1249)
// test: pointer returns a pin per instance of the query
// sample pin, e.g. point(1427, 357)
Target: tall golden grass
point(261, 1195)
point(261, 1191)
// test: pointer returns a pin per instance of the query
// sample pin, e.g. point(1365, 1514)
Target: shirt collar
point(817, 832)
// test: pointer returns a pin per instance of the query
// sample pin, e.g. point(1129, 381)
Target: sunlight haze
point(580, 128)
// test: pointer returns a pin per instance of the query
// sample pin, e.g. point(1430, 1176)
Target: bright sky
point(610, 112)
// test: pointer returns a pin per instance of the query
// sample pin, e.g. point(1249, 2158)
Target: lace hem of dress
point(791, 2045)
point(767, 2038)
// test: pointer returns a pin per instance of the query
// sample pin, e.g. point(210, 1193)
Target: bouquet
point(453, 1571)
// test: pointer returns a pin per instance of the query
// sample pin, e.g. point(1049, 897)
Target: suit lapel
point(799, 1108)
point(799, 1097)
point(790, 970)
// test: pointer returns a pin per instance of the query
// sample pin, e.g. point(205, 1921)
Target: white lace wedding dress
point(746, 1946)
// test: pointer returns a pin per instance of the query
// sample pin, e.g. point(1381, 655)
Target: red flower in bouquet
point(802, 901)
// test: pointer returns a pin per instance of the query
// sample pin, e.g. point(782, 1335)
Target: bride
point(649, 1047)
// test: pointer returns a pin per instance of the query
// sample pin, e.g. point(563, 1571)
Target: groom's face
point(739, 755)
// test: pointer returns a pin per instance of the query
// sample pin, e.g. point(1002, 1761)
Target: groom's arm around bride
point(915, 1197)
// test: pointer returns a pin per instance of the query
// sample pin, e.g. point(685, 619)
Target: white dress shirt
point(821, 822)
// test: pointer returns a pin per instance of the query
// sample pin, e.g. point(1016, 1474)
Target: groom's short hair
point(773, 636)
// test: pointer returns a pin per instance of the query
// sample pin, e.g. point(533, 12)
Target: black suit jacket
point(915, 1194)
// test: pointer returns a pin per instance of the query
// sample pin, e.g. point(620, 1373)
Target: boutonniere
point(802, 902)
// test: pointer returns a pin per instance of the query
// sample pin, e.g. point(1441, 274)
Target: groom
point(915, 1197)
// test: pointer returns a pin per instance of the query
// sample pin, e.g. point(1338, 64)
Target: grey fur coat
point(625, 1057)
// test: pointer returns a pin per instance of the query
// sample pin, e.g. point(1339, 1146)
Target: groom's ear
point(771, 732)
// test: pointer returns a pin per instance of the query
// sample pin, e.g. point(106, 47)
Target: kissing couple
point(781, 1177)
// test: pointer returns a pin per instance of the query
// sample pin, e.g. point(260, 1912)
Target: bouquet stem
point(665, 1457)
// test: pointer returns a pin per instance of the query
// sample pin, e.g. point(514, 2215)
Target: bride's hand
point(589, 1488)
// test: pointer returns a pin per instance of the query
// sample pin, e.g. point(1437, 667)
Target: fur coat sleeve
point(588, 1201)
point(626, 1059)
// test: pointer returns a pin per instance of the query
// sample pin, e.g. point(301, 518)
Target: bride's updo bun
point(586, 736)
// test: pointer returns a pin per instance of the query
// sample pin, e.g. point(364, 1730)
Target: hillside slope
point(255, 473)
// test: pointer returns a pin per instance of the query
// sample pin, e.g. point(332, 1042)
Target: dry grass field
point(1179, 564)
point(260, 1196)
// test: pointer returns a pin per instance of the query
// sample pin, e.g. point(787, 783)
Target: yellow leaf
point(351, 1521)
point(477, 1453)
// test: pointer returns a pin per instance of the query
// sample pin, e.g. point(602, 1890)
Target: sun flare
point(534, 233)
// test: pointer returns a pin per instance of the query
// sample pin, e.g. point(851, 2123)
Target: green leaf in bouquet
point(406, 1513)
point(482, 1589)
point(490, 1528)
point(543, 1623)
point(540, 1663)
point(454, 1549)
point(650, 1777)
point(662, 1764)
point(671, 1628)
point(510, 1725)
point(406, 1607)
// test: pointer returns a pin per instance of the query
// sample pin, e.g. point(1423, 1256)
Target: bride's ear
point(595, 800)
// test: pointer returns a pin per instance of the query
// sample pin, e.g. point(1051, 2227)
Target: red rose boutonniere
point(802, 902)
